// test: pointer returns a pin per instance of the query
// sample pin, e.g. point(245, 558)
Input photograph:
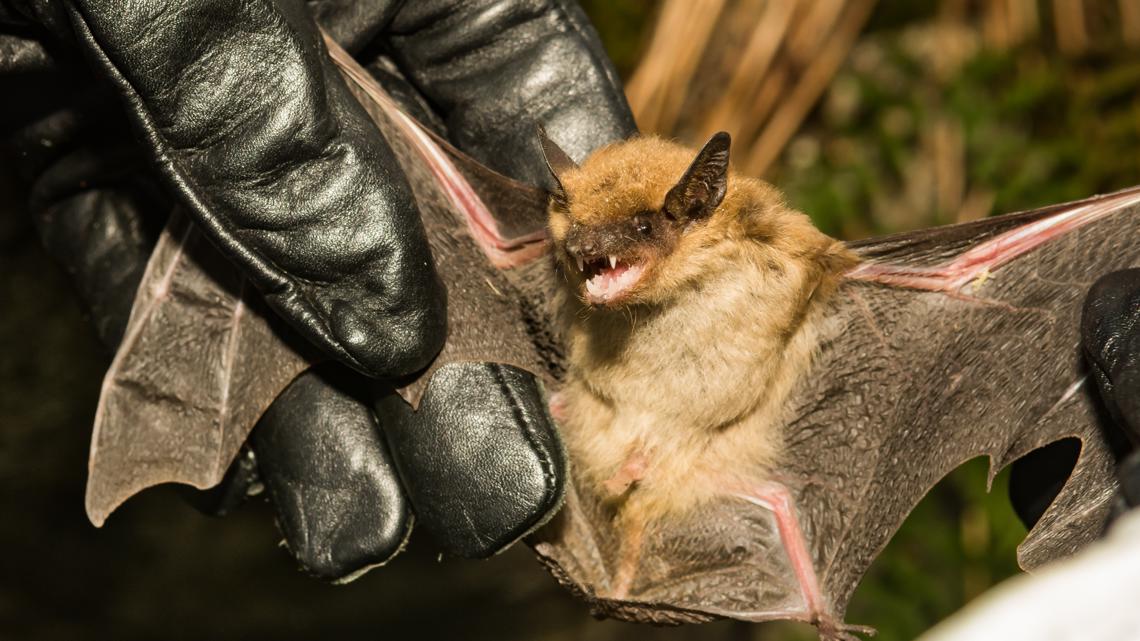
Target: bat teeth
point(613, 261)
point(581, 264)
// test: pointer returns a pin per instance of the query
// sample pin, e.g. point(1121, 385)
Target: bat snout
point(589, 243)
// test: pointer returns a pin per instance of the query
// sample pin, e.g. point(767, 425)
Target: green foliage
point(899, 145)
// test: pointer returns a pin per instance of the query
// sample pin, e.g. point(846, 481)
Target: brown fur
point(686, 379)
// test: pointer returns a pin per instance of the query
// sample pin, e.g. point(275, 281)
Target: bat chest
point(695, 367)
point(687, 398)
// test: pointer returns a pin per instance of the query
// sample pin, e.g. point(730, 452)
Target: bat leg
point(776, 497)
point(629, 555)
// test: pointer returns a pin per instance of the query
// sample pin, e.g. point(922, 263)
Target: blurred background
point(874, 117)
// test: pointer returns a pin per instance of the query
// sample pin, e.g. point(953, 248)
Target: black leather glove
point(1110, 331)
point(254, 132)
point(1110, 338)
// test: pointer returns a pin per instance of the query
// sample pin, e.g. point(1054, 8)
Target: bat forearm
point(978, 261)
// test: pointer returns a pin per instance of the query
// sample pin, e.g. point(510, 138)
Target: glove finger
point(480, 459)
point(21, 54)
point(280, 166)
point(495, 68)
point(97, 213)
point(1110, 333)
point(354, 24)
point(328, 473)
point(32, 83)
point(242, 479)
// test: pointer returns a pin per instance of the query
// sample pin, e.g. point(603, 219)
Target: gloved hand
point(253, 132)
point(1110, 332)
point(1110, 337)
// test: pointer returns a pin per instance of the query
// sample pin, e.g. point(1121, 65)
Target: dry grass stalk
point(948, 147)
point(1024, 19)
point(818, 22)
point(755, 61)
point(752, 67)
point(756, 68)
point(1069, 24)
point(657, 89)
point(1130, 21)
point(810, 86)
point(977, 204)
point(1008, 23)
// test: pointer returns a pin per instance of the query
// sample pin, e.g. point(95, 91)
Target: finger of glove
point(280, 166)
point(480, 459)
point(237, 484)
point(99, 238)
point(331, 480)
point(353, 24)
point(96, 212)
point(496, 68)
point(36, 15)
point(54, 111)
point(1110, 333)
point(22, 54)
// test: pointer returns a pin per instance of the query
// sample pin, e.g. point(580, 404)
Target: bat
point(720, 349)
point(894, 360)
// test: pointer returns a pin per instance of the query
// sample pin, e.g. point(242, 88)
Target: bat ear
point(704, 184)
point(557, 161)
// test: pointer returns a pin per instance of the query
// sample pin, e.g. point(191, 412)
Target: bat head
point(623, 223)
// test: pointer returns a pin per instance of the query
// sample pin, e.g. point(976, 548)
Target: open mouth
point(608, 278)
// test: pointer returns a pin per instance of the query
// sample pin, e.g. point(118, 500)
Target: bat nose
point(580, 249)
point(580, 246)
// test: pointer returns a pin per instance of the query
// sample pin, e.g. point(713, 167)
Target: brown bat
point(751, 407)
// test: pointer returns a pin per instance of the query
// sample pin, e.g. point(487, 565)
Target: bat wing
point(941, 346)
point(199, 363)
point(202, 361)
point(488, 237)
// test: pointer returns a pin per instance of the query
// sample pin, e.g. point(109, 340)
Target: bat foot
point(629, 557)
point(831, 630)
point(556, 405)
point(776, 497)
point(632, 471)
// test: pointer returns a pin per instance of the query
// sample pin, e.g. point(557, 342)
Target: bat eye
point(644, 228)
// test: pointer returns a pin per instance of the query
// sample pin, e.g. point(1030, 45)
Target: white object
point(1092, 596)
